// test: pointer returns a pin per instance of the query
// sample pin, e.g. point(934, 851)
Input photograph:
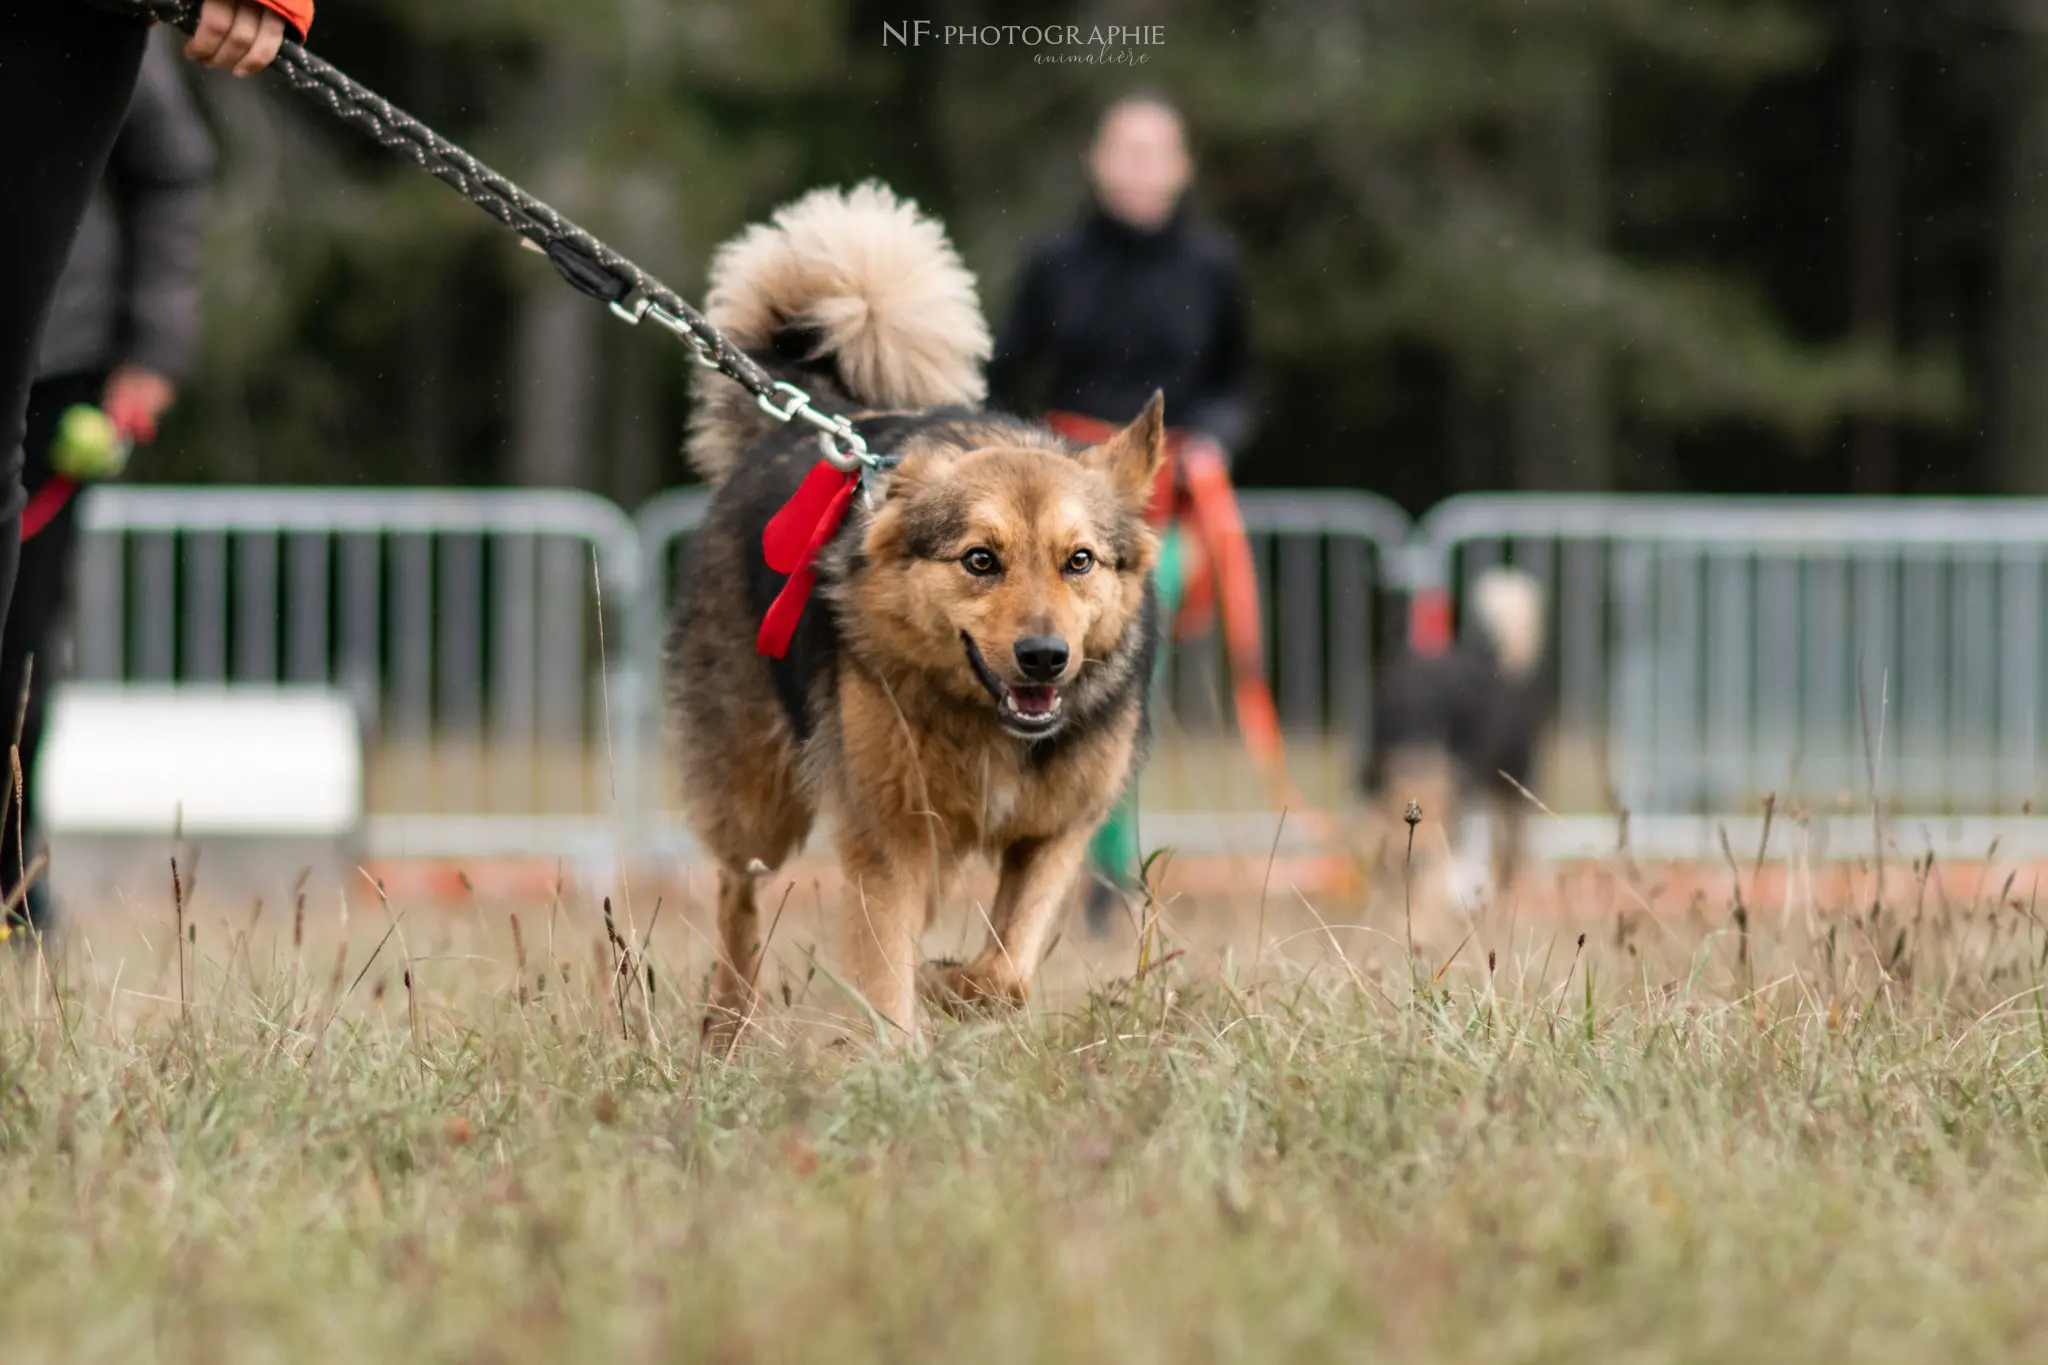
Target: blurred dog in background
point(1465, 724)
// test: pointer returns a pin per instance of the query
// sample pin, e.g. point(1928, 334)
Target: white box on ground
point(241, 762)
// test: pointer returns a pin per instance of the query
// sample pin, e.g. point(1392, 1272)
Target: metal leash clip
point(844, 449)
point(842, 445)
point(636, 305)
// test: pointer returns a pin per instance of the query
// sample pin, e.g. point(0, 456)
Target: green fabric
point(1113, 853)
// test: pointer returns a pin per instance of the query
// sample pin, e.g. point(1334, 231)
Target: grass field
point(1804, 1132)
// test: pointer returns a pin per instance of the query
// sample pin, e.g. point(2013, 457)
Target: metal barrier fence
point(482, 635)
point(1713, 650)
point(503, 647)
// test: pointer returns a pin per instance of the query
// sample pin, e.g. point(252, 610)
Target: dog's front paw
point(966, 988)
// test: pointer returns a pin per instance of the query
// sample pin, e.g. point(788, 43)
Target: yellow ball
point(88, 444)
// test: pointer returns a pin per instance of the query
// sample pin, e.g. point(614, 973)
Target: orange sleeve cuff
point(297, 13)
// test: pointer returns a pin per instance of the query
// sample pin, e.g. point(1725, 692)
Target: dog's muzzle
point(1026, 711)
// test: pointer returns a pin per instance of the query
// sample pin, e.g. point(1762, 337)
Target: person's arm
point(1223, 409)
point(1022, 338)
point(161, 171)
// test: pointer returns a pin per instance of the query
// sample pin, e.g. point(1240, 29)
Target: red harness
point(1429, 621)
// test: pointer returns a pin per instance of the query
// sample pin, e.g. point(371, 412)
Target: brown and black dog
point(1467, 723)
point(969, 677)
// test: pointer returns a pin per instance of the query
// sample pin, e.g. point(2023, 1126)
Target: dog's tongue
point(1034, 701)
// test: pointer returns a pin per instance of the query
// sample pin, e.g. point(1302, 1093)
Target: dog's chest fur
point(976, 786)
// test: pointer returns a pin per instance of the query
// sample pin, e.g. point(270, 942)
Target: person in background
point(123, 332)
point(68, 69)
point(1141, 294)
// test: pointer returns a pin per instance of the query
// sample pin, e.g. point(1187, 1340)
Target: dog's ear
point(1132, 457)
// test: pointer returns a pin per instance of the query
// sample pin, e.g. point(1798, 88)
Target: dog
point(1467, 722)
point(969, 677)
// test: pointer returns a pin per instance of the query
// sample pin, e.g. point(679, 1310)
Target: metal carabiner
point(799, 401)
point(849, 461)
point(631, 308)
point(844, 449)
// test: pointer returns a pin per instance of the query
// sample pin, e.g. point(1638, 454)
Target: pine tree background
point(1727, 245)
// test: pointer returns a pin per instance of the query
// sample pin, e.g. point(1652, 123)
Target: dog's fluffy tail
point(857, 286)
point(1509, 604)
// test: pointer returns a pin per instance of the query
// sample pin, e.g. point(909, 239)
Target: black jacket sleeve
point(1023, 339)
point(160, 174)
point(1223, 412)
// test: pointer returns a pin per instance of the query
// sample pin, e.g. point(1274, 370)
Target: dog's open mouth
point(1030, 712)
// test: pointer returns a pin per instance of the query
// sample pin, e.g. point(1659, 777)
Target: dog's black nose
point(1042, 658)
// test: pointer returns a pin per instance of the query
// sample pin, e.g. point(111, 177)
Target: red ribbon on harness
point(791, 543)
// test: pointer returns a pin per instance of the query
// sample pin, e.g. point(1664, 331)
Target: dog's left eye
point(981, 563)
point(1081, 561)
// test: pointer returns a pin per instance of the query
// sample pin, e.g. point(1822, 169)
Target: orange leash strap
point(1220, 527)
point(1223, 578)
point(1219, 524)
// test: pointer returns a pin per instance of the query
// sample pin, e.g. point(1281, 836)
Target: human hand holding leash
point(236, 35)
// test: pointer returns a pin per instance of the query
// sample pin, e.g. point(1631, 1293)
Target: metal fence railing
point(1708, 651)
point(503, 648)
point(470, 628)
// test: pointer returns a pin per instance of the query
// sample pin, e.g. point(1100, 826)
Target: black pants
point(67, 71)
point(29, 666)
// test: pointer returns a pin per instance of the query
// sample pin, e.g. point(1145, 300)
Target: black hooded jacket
point(130, 291)
point(1113, 312)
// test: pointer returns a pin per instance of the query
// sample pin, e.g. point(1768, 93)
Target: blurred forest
point(1726, 245)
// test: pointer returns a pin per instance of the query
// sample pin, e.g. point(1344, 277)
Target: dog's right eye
point(981, 563)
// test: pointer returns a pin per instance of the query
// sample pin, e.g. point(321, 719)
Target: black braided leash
point(578, 256)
